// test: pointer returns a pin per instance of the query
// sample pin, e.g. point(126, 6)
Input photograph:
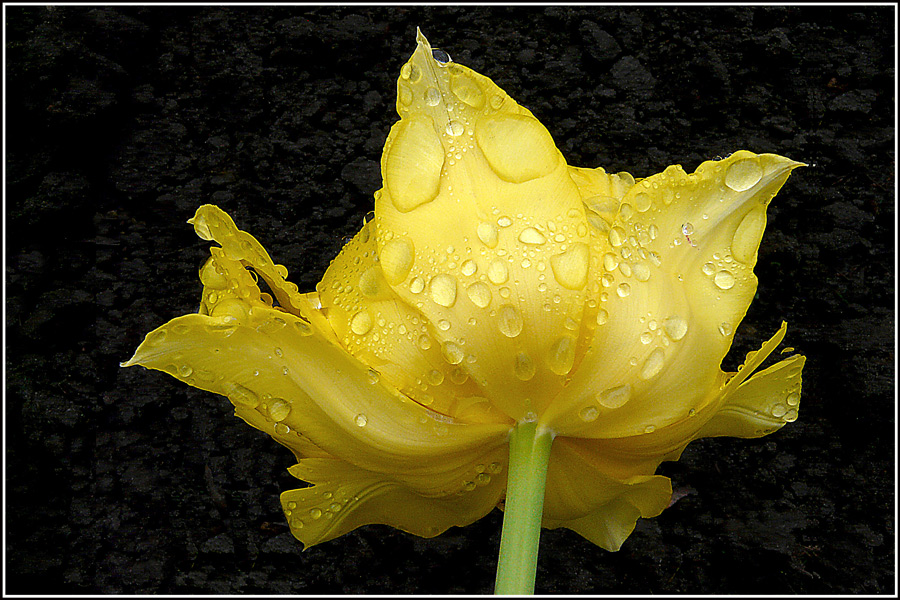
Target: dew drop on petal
point(743, 174)
point(524, 367)
point(278, 409)
point(443, 290)
point(748, 235)
point(615, 397)
point(487, 233)
point(509, 321)
point(468, 268)
point(561, 357)
point(571, 267)
point(654, 364)
point(397, 259)
point(361, 420)
point(602, 316)
point(240, 396)
point(724, 280)
point(453, 354)
point(361, 323)
point(498, 272)
point(675, 327)
point(589, 414)
point(623, 290)
point(725, 329)
point(530, 235)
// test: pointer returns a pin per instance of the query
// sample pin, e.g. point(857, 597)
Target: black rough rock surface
point(122, 120)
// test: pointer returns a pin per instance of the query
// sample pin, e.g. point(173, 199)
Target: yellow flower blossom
point(495, 285)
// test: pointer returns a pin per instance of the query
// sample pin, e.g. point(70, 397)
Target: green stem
point(529, 453)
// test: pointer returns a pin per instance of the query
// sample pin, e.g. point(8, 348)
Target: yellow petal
point(345, 497)
point(481, 228)
point(668, 308)
point(392, 337)
point(582, 495)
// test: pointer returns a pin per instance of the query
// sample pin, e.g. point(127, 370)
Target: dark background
point(122, 120)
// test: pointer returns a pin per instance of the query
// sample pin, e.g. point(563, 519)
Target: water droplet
point(504, 221)
point(562, 355)
point(626, 211)
point(416, 285)
point(602, 316)
point(453, 354)
point(616, 236)
point(498, 272)
point(641, 271)
point(646, 337)
point(482, 479)
point(653, 364)
point(443, 290)
point(615, 397)
point(724, 280)
point(282, 429)
point(779, 410)
point(467, 91)
point(509, 321)
point(441, 56)
point(687, 229)
point(623, 289)
point(315, 513)
point(790, 416)
point(530, 235)
point(435, 377)
point(496, 102)
point(610, 261)
point(589, 413)
point(642, 201)
point(361, 420)
point(708, 268)
point(743, 174)
point(278, 409)
point(793, 399)
point(748, 235)
point(443, 324)
point(373, 376)
point(725, 328)
point(469, 486)
point(649, 429)
point(185, 370)
point(468, 268)
point(487, 233)
point(529, 417)
point(397, 259)
point(525, 367)
point(424, 342)
point(432, 96)
point(571, 267)
point(454, 128)
point(675, 327)
point(240, 396)
point(361, 323)
point(479, 293)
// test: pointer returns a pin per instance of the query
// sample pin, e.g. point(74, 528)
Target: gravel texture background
point(122, 120)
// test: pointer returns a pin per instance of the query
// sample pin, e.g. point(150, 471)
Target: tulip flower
point(508, 330)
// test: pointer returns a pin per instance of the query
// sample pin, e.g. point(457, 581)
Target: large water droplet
point(642, 201)
point(653, 364)
point(278, 409)
point(240, 396)
point(443, 290)
point(480, 294)
point(525, 367)
point(413, 164)
point(793, 399)
point(416, 285)
point(725, 328)
point(610, 261)
point(487, 233)
point(530, 235)
point(616, 236)
point(432, 96)
point(361, 420)
point(509, 321)
point(561, 357)
point(589, 414)
point(748, 235)
point(454, 129)
point(469, 268)
point(453, 354)
point(505, 139)
point(571, 267)
point(464, 88)
point(602, 316)
point(498, 272)
point(743, 174)
point(615, 397)
point(435, 377)
point(361, 323)
point(623, 289)
point(397, 259)
point(675, 327)
point(724, 280)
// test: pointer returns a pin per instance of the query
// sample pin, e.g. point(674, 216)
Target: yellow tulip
point(497, 288)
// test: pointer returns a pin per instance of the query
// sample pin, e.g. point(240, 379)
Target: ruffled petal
point(480, 227)
point(669, 308)
point(584, 495)
point(345, 497)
